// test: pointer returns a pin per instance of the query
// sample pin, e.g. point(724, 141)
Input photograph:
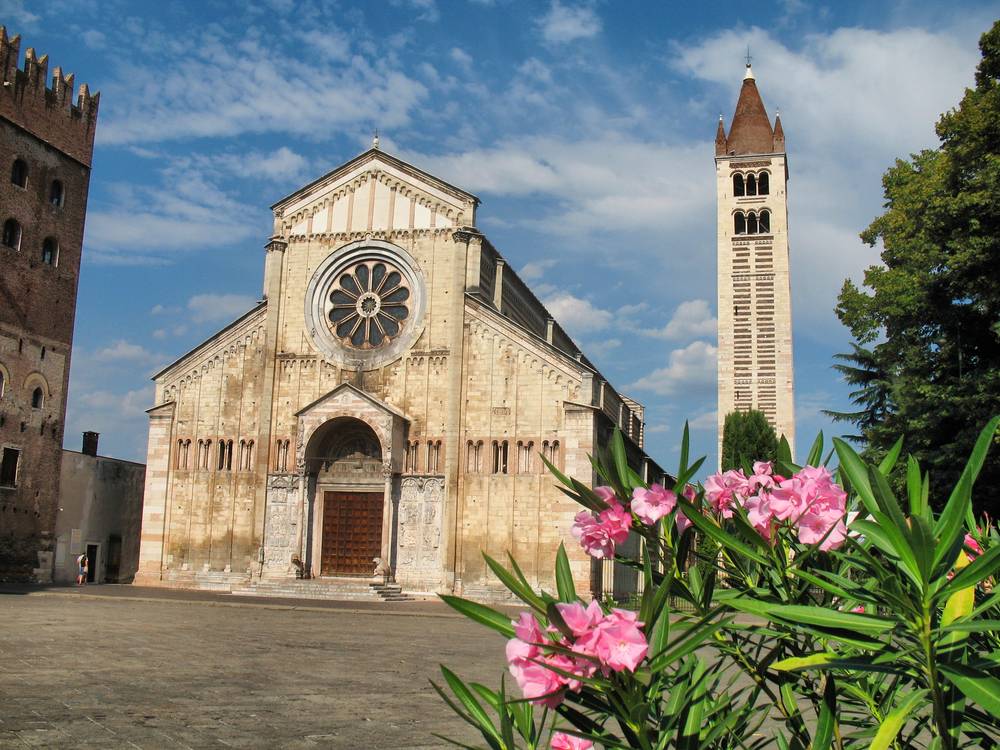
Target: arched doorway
point(344, 462)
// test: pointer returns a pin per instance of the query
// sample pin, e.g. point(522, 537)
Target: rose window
point(368, 304)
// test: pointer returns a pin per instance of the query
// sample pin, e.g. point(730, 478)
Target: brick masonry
point(53, 137)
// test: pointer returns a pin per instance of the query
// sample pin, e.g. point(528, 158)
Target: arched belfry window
point(738, 188)
point(764, 222)
point(12, 234)
point(751, 184)
point(37, 398)
point(50, 251)
point(763, 183)
point(751, 223)
point(739, 223)
point(57, 194)
point(19, 173)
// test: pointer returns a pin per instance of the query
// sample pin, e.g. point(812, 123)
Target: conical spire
point(720, 139)
point(751, 129)
point(779, 134)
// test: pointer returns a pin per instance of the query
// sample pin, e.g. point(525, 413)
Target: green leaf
point(816, 452)
point(914, 488)
point(516, 587)
point(827, 716)
point(978, 687)
point(481, 614)
point(469, 702)
point(619, 458)
point(856, 471)
point(891, 457)
point(564, 576)
point(800, 614)
point(896, 719)
point(959, 503)
point(685, 450)
point(709, 528)
point(978, 570)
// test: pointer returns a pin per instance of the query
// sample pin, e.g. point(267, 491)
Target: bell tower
point(755, 307)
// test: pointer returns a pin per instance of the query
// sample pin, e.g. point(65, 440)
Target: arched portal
point(344, 463)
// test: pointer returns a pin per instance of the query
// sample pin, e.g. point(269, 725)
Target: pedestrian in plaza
point(81, 569)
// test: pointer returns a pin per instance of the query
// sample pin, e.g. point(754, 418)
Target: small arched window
point(751, 223)
point(751, 185)
point(187, 452)
point(738, 188)
point(50, 251)
point(764, 222)
point(250, 455)
point(177, 457)
point(222, 456)
point(12, 234)
point(499, 456)
point(19, 173)
point(739, 223)
point(37, 398)
point(57, 194)
point(763, 183)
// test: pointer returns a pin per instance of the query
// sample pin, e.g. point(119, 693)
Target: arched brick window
point(12, 234)
point(739, 189)
point(37, 398)
point(57, 194)
point(751, 182)
point(50, 251)
point(19, 173)
point(764, 222)
point(739, 223)
point(763, 183)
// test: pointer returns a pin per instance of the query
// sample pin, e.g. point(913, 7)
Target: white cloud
point(565, 23)
point(94, 39)
point(708, 420)
point(212, 308)
point(577, 315)
point(125, 351)
point(690, 370)
point(535, 269)
point(691, 319)
point(217, 85)
point(607, 184)
point(426, 10)
point(281, 164)
point(461, 57)
point(18, 15)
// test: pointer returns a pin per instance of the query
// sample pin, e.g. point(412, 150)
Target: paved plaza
point(123, 667)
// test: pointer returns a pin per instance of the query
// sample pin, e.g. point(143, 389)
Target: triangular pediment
point(347, 395)
point(374, 192)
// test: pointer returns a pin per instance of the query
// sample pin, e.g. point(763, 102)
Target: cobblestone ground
point(165, 671)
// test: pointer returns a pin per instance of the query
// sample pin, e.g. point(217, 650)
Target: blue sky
point(586, 128)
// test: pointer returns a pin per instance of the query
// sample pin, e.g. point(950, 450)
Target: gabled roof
point(376, 402)
point(212, 339)
point(751, 131)
point(375, 154)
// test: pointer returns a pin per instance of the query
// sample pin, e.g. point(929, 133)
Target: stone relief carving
point(281, 528)
point(419, 537)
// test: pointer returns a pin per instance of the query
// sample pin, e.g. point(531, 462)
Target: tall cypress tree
point(747, 436)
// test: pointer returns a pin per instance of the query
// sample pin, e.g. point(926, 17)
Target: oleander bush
point(820, 611)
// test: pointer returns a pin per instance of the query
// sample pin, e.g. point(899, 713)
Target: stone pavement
point(126, 667)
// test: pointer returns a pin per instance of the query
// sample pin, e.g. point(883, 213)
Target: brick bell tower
point(46, 144)
point(755, 307)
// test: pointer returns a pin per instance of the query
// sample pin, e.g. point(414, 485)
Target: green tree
point(747, 436)
point(933, 305)
point(873, 392)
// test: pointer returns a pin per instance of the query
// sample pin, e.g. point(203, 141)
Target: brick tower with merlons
point(755, 307)
point(46, 143)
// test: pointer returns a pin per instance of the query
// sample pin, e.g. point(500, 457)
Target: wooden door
point(352, 532)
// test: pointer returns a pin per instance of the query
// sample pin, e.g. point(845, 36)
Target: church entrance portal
point(345, 466)
point(352, 532)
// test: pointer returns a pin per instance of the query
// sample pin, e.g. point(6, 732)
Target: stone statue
point(383, 569)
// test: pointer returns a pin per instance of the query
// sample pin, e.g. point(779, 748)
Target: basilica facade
point(390, 397)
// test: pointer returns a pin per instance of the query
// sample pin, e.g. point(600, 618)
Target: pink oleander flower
point(763, 468)
point(759, 514)
point(653, 504)
point(972, 546)
point(725, 490)
point(580, 620)
point(562, 741)
point(618, 642)
point(599, 535)
point(538, 683)
point(859, 610)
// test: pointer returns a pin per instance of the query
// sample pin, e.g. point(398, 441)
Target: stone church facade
point(389, 397)
point(755, 303)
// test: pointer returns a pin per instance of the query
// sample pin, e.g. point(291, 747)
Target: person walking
point(81, 569)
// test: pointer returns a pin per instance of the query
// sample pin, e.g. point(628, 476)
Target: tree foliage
point(927, 320)
point(747, 436)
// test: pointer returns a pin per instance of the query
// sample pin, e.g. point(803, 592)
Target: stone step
point(337, 589)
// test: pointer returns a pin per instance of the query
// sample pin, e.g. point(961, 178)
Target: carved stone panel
point(281, 529)
point(421, 500)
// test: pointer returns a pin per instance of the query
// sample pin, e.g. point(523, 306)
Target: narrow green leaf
point(827, 719)
point(816, 452)
point(709, 528)
point(852, 466)
point(914, 490)
point(896, 719)
point(619, 458)
point(956, 510)
point(685, 450)
point(481, 614)
point(798, 614)
point(891, 457)
point(520, 590)
point(564, 576)
point(978, 570)
point(978, 687)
